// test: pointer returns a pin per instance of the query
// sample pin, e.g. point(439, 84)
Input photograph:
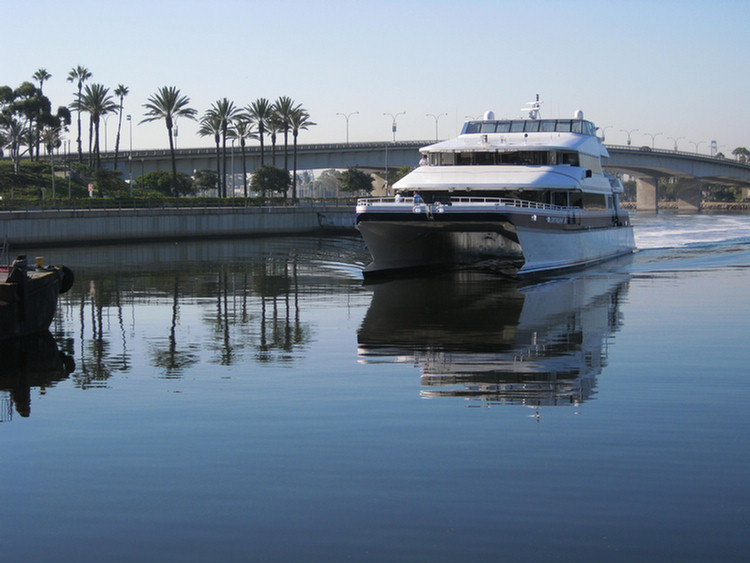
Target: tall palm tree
point(274, 125)
point(41, 75)
point(79, 75)
point(284, 106)
point(97, 101)
point(168, 104)
point(242, 130)
point(226, 112)
point(121, 91)
point(299, 121)
point(210, 124)
point(260, 112)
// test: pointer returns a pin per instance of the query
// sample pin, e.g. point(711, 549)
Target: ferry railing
point(462, 200)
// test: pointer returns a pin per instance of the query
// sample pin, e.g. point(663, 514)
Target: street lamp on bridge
point(653, 136)
point(674, 140)
point(629, 132)
point(130, 155)
point(696, 145)
point(347, 116)
point(604, 130)
point(393, 119)
point(437, 118)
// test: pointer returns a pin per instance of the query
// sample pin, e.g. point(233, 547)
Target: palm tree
point(260, 112)
point(121, 91)
point(97, 101)
point(41, 75)
point(284, 106)
point(242, 130)
point(168, 104)
point(226, 112)
point(210, 124)
point(274, 125)
point(79, 74)
point(299, 121)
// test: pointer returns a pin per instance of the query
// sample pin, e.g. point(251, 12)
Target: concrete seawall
point(86, 227)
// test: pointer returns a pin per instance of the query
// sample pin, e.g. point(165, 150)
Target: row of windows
point(533, 158)
point(531, 126)
point(516, 158)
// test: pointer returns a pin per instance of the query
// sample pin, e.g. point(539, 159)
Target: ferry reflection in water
point(494, 341)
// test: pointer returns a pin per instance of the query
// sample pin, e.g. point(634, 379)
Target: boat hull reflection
point(492, 340)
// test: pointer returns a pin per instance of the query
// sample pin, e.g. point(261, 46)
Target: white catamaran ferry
point(526, 195)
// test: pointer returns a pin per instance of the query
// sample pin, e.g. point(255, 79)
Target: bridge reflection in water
point(496, 342)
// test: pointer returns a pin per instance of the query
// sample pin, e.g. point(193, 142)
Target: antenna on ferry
point(533, 109)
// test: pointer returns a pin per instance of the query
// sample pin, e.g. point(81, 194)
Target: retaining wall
point(85, 227)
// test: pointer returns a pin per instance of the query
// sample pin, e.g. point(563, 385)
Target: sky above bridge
point(671, 69)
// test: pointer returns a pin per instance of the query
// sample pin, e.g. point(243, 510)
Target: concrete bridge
point(689, 170)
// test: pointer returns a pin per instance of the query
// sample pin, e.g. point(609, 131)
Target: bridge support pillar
point(647, 195)
point(688, 194)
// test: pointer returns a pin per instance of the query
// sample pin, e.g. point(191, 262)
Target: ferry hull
point(504, 244)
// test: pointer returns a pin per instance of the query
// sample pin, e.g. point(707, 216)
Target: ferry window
point(547, 125)
point(532, 126)
point(488, 127)
point(594, 201)
point(563, 126)
point(463, 158)
point(588, 128)
point(442, 159)
point(484, 158)
point(576, 199)
point(577, 127)
point(516, 126)
point(503, 127)
point(570, 158)
point(560, 199)
point(472, 127)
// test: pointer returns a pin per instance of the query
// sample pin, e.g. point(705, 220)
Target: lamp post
point(437, 118)
point(105, 132)
point(653, 137)
point(130, 155)
point(674, 140)
point(347, 116)
point(604, 130)
point(629, 132)
point(393, 119)
point(696, 145)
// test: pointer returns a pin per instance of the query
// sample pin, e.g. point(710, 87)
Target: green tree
point(98, 102)
point(205, 180)
point(270, 179)
point(121, 91)
point(168, 104)
point(741, 153)
point(284, 107)
point(355, 181)
point(41, 76)
point(299, 120)
point(225, 112)
point(79, 75)
point(210, 124)
point(164, 183)
point(260, 111)
point(242, 130)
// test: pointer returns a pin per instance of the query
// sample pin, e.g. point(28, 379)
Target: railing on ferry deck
point(461, 200)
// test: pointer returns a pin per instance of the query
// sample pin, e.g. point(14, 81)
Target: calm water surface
point(254, 401)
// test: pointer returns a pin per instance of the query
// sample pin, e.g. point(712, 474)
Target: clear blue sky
point(679, 68)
